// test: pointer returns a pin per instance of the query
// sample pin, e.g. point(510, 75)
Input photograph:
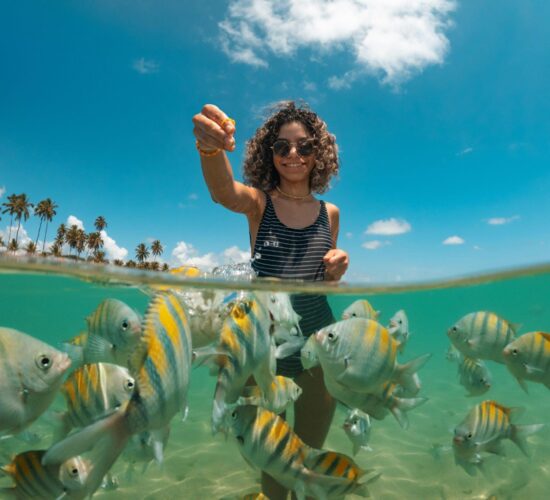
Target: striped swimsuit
point(287, 253)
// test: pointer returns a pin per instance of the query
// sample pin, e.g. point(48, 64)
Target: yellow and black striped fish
point(161, 367)
point(528, 358)
point(474, 376)
point(282, 392)
point(34, 480)
point(482, 335)
point(248, 349)
point(267, 441)
point(484, 428)
point(360, 354)
point(92, 391)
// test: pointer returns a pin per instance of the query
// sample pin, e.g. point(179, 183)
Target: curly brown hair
point(259, 170)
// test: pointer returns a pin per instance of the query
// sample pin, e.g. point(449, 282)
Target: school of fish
point(125, 377)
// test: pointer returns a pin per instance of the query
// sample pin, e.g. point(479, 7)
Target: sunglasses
point(304, 147)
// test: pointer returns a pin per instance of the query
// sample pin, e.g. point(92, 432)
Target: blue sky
point(440, 110)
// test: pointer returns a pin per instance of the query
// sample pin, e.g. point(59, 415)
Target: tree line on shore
point(81, 245)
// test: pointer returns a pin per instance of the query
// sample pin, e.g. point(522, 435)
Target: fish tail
point(402, 405)
point(407, 373)
point(219, 406)
point(520, 432)
point(106, 438)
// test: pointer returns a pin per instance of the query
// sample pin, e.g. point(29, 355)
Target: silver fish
point(399, 328)
point(357, 427)
point(474, 376)
point(31, 373)
point(482, 335)
point(360, 309)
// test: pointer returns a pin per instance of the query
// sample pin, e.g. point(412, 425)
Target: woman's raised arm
point(214, 132)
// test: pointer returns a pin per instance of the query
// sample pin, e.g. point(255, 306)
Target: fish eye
point(273, 299)
point(74, 472)
point(125, 325)
point(353, 315)
point(234, 415)
point(469, 436)
point(454, 329)
point(515, 352)
point(129, 384)
point(332, 336)
point(43, 362)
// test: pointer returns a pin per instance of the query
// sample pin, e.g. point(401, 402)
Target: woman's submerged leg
point(313, 414)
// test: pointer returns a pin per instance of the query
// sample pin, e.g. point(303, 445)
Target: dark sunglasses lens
point(281, 148)
point(305, 148)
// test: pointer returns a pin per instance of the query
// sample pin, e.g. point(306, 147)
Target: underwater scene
point(443, 387)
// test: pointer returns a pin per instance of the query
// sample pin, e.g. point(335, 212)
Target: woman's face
point(293, 167)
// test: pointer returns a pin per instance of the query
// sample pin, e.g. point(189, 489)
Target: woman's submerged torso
point(295, 253)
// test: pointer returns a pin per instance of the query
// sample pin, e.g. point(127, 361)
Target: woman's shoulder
point(332, 209)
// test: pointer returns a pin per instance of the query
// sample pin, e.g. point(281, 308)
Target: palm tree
point(9, 208)
point(165, 267)
point(118, 262)
point(56, 248)
point(95, 242)
point(71, 237)
point(1, 241)
point(100, 223)
point(46, 211)
point(21, 211)
point(142, 252)
point(156, 248)
point(61, 231)
point(99, 257)
point(13, 245)
point(31, 248)
point(154, 266)
point(81, 241)
point(130, 263)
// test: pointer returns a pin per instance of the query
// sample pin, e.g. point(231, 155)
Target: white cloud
point(193, 197)
point(310, 87)
point(234, 255)
point(23, 237)
point(453, 240)
point(2, 191)
point(145, 66)
point(465, 151)
point(74, 221)
point(499, 221)
point(187, 254)
point(392, 38)
point(349, 235)
point(111, 249)
point(389, 227)
point(375, 244)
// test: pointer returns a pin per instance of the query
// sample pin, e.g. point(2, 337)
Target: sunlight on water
point(50, 301)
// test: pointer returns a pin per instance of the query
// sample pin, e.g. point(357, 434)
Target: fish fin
point(356, 448)
point(533, 370)
point(496, 448)
point(287, 348)
point(516, 327)
point(207, 355)
point(75, 352)
point(63, 495)
point(520, 432)
point(406, 373)
point(251, 391)
point(184, 412)
point(158, 446)
point(106, 438)
point(98, 349)
point(28, 437)
point(400, 416)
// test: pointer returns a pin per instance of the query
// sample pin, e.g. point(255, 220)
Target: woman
point(292, 234)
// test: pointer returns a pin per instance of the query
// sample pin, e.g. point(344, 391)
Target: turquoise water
point(53, 306)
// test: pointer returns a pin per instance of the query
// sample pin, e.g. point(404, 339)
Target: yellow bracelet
point(205, 152)
point(225, 120)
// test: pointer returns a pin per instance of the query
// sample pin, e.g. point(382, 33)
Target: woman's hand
point(214, 129)
point(336, 263)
